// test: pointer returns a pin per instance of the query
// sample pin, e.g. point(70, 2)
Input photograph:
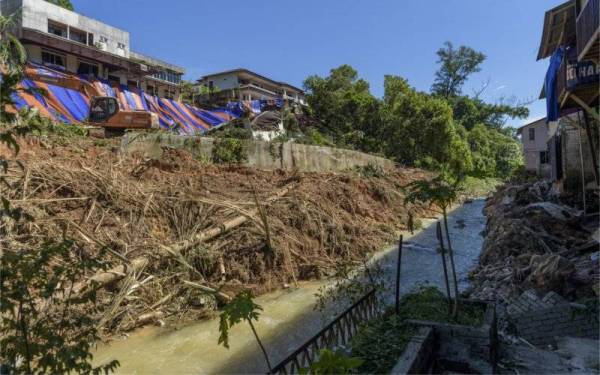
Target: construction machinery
point(104, 111)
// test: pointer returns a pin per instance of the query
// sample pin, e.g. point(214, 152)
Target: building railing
point(258, 88)
point(588, 25)
point(337, 333)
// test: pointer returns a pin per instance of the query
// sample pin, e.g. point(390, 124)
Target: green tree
point(443, 192)
point(456, 65)
point(62, 3)
point(12, 58)
point(241, 308)
point(12, 52)
point(188, 92)
point(472, 111)
point(417, 128)
point(494, 153)
point(290, 122)
point(46, 326)
point(344, 108)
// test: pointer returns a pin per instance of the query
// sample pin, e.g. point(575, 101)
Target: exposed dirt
point(136, 207)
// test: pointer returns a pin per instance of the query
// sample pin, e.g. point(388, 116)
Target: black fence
point(339, 332)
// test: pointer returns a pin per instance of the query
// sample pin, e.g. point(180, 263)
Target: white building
point(66, 40)
point(243, 84)
point(534, 138)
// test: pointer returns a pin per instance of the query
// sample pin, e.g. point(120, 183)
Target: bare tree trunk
point(451, 253)
point(261, 345)
point(443, 251)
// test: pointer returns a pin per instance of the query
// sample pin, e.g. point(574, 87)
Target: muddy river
point(289, 317)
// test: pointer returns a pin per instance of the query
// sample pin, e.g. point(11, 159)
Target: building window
point(168, 76)
point(57, 29)
point(150, 90)
point(49, 58)
point(78, 36)
point(544, 157)
point(103, 39)
point(88, 69)
point(532, 134)
point(121, 45)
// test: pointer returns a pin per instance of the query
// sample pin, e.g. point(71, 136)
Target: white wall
point(225, 82)
point(36, 13)
point(532, 148)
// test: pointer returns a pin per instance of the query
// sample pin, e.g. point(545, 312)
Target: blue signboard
point(582, 73)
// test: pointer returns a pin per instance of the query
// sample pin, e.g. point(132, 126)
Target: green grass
point(381, 342)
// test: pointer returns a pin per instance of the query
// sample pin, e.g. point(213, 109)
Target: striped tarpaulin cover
point(70, 105)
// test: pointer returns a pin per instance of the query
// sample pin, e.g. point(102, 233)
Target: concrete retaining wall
point(456, 348)
point(419, 355)
point(262, 155)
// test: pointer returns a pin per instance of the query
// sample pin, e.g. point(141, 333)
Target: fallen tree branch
point(102, 279)
point(222, 297)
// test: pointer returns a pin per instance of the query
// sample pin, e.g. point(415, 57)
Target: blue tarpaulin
point(550, 85)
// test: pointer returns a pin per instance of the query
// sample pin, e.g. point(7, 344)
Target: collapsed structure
point(571, 38)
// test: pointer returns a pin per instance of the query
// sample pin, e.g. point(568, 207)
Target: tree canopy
point(62, 3)
point(456, 65)
point(440, 129)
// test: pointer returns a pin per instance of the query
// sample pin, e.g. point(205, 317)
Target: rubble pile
point(533, 241)
point(184, 235)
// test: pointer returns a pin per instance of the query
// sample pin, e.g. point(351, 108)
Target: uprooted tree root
point(179, 236)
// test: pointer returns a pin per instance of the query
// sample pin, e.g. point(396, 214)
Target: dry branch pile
point(535, 241)
point(180, 236)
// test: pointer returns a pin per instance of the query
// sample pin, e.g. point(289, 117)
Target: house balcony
point(258, 89)
point(588, 31)
point(577, 82)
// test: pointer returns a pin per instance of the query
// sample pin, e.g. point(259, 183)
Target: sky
point(290, 40)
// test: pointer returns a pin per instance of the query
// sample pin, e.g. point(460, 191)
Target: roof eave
point(544, 51)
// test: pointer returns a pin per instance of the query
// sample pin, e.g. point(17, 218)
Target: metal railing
point(588, 24)
point(339, 332)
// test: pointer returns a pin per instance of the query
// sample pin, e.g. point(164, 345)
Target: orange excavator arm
point(104, 111)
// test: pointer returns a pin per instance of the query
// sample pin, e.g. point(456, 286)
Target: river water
point(289, 318)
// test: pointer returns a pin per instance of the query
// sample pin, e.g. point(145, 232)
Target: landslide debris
point(534, 241)
point(267, 228)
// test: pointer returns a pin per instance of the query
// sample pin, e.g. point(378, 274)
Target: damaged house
point(571, 38)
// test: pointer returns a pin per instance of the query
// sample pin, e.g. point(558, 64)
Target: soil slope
point(295, 227)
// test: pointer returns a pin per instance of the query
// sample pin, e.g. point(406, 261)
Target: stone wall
point(262, 155)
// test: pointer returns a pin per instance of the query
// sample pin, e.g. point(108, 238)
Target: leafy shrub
point(381, 342)
point(290, 122)
point(371, 170)
point(330, 362)
point(229, 151)
point(46, 326)
point(231, 131)
point(314, 137)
